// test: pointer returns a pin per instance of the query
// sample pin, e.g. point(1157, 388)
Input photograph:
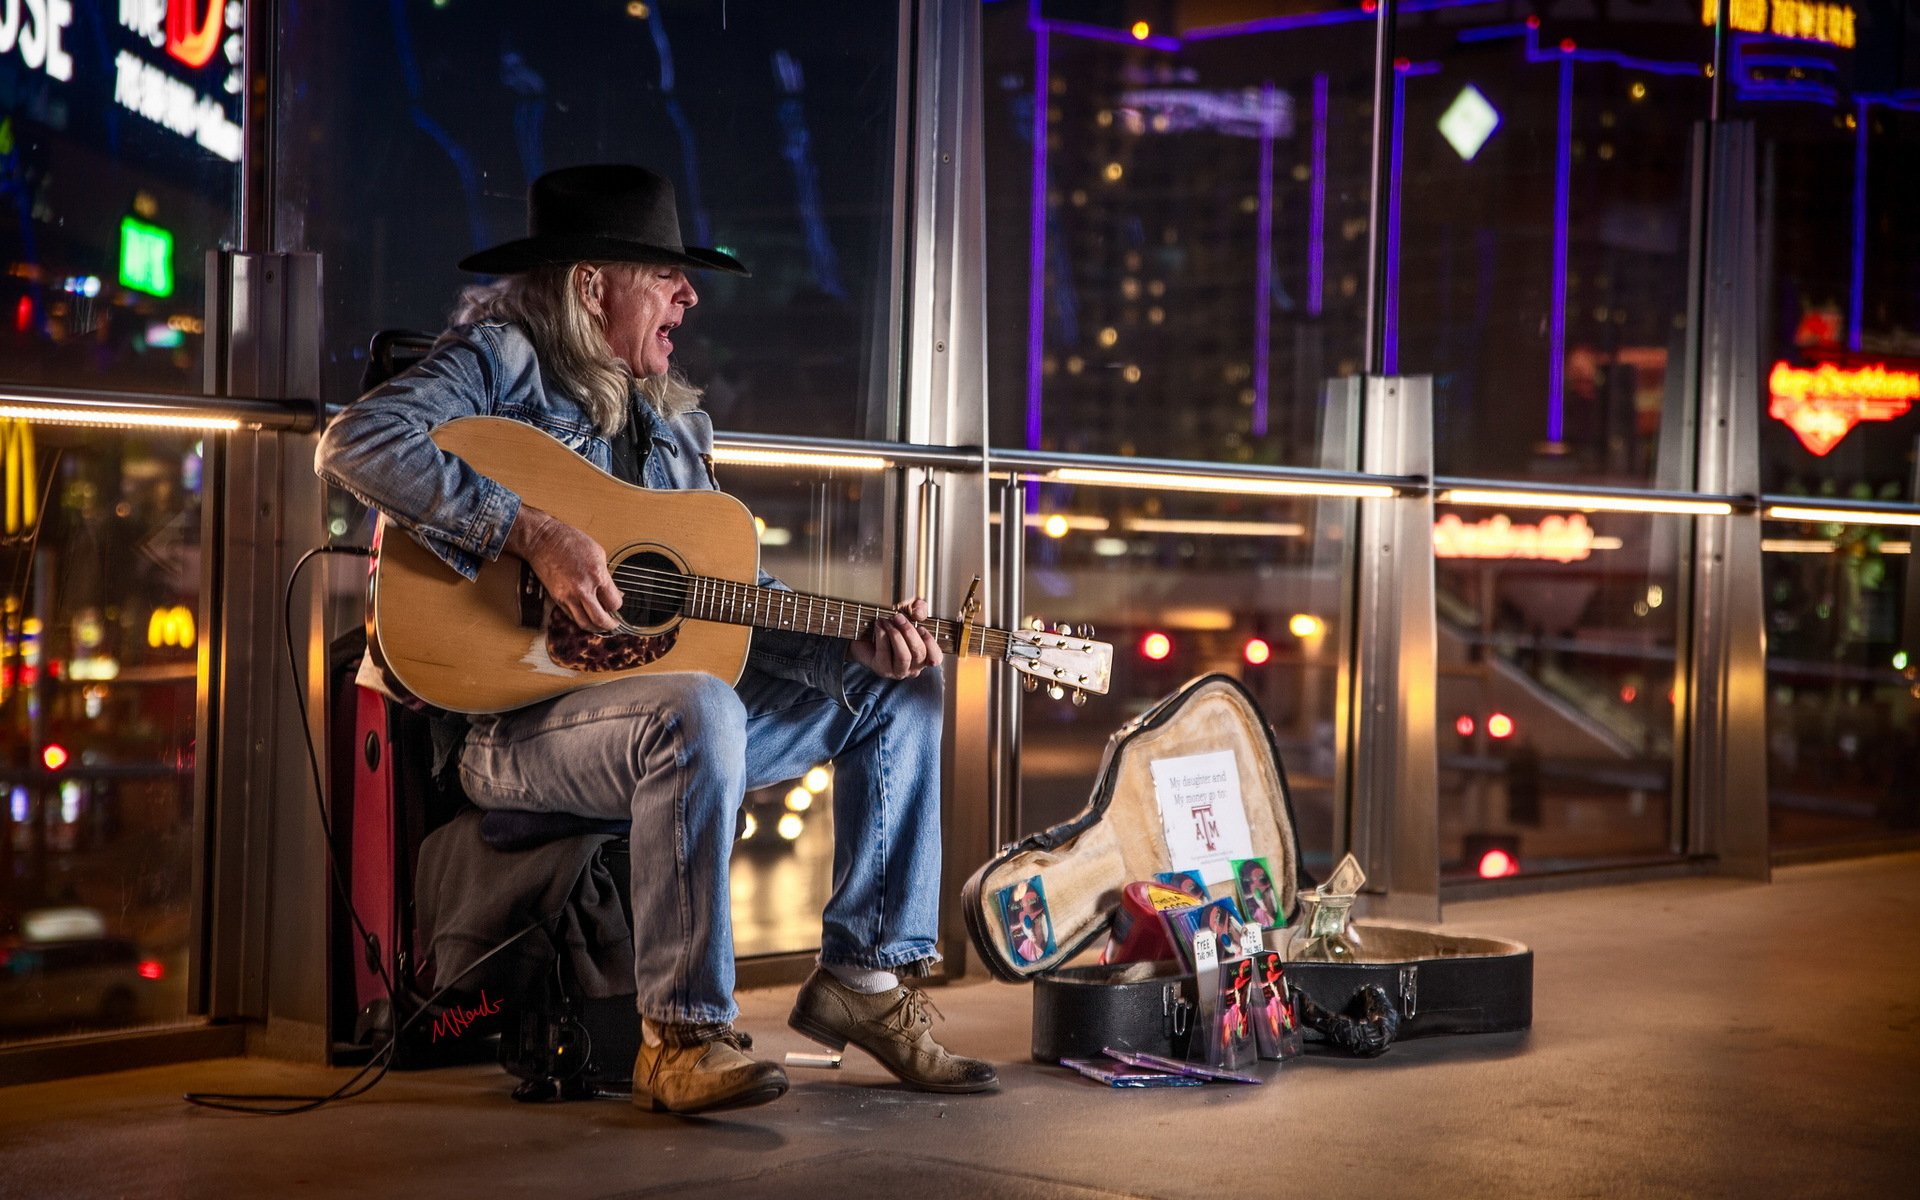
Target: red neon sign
point(1822, 404)
point(191, 46)
point(1556, 539)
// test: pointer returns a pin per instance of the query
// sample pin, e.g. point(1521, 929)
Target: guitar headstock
point(1063, 660)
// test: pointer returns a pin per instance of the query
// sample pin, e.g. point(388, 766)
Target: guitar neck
point(773, 608)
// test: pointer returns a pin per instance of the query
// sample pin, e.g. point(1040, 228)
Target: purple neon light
point(1037, 236)
point(1263, 266)
point(1390, 324)
point(1317, 213)
point(1653, 66)
point(1858, 299)
point(1557, 330)
point(1100, 33)
point(1338, 16)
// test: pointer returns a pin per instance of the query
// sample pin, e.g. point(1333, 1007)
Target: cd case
point(1199, 1071)
point(1118, 1074)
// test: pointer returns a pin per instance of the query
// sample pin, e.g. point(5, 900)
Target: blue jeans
point(678, 752)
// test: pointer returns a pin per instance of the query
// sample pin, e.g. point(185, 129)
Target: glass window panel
point(1195, 267)
point(1537, 242)
point(98, 679)
point(827, 533)
point(119, 170)
point(1843, 682)
point(1559, 638)
point(419, 127)
point(1840, 262)
point(1181, 584)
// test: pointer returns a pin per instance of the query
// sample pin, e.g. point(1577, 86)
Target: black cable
point(383, 1058)
point(257, 1103)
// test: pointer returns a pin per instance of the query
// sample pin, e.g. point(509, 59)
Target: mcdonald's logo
point(22, 475)
point(190, 45)
point(171, 627)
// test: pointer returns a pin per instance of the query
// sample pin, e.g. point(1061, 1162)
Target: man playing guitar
point(575, 340)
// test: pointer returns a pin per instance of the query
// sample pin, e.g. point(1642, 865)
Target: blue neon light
point(1562, 193)
point(1317, 212)
point(1037, 237)
point(1263, 266)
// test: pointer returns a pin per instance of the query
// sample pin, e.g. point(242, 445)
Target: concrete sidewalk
point(1694, 1037)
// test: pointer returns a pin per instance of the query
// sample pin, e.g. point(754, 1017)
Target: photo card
point(1023, 914)
point(1231, 1041)
point(1221, 917)
point(1186, 881)
point(1276, 1030)
point(1259, 895)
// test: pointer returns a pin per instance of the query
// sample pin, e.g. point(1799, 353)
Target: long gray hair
point(567, 338)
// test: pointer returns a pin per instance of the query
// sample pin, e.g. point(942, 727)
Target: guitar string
point(713, 606)
point(656, 583)
point(664, 584)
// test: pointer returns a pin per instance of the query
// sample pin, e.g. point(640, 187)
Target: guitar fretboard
point(771, 608)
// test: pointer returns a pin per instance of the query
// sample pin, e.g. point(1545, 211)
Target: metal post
point(263, 902)
point(1724, 693)
point(945, 404)
point(1393, 771)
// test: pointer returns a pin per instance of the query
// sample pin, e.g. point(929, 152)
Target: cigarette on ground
point(826, 1062)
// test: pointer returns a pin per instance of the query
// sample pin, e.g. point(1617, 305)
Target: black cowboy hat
point(602, 213)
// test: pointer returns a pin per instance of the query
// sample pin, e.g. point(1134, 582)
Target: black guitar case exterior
point(1436, 982)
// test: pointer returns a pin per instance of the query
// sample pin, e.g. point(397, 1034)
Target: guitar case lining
point(1439, 982)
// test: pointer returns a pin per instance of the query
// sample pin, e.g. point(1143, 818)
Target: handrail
point(96, 406)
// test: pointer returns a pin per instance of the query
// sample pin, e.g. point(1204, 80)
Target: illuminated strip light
point(1214, 528)
point(1842, 516)
point(1091, 524)
point(740, 456)
point(1218, 483)
point(109, 418)
point(1821, 546)
point(1574, 502)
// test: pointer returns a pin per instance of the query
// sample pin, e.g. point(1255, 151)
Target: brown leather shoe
point(892, 1026)
point(696, 1068)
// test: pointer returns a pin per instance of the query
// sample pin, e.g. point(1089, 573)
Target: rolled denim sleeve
point(813, 659)
point(381, 449)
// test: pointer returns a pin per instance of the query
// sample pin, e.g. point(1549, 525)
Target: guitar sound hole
point(654, 590)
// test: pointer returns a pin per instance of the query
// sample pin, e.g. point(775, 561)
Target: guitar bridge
point(533, 599)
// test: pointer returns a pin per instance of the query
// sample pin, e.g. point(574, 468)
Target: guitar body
point(491, 645)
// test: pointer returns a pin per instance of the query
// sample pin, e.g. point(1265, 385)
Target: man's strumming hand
point(570, 564)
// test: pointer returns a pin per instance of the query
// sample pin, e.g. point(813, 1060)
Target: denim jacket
point(380, 449)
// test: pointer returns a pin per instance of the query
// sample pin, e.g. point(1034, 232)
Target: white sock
point(649, 1033)
point(868, 981)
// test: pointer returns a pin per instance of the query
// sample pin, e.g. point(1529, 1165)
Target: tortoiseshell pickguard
point(568, 645)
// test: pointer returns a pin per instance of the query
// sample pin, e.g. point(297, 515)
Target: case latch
point(1175, 1012)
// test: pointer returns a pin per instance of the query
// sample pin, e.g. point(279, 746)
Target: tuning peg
point(1037, 624)
point(1079, 698)
point(1055, 691)
point(1029, 683)
point(1063, 627)
point(1086, 631)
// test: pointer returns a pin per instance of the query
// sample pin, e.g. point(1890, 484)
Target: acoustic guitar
point(685, 562)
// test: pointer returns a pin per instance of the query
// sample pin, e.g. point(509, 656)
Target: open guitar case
point(1407, 981)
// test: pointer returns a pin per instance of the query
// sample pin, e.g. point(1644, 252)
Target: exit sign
point(146, 258)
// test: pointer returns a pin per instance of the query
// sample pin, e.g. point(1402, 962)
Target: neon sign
point(1554, 539)
point(1822, 404)
point(1801, 20)
point(146, 258)
point(191, 40)
point(35, 28)
point(192, 46)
